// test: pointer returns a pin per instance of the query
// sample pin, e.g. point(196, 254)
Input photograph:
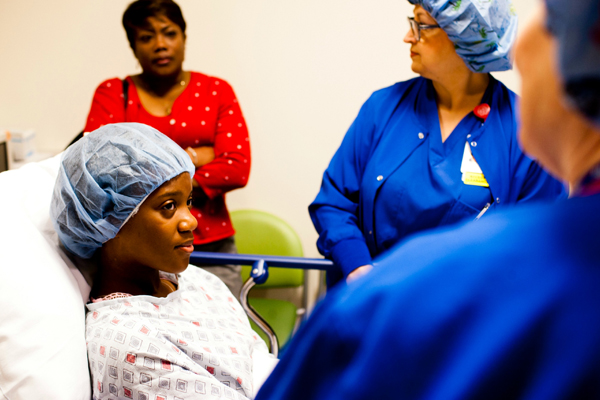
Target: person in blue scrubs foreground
point(433, 150)
point(505, 308)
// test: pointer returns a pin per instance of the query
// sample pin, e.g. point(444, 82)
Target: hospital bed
point(258, 275)
point(43, 294)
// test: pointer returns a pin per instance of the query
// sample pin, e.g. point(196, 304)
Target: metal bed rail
point(258, 275)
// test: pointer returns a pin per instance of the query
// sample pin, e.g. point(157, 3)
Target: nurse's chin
point(417, 67)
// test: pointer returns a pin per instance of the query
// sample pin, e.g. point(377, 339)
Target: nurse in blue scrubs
point(433, 150)
point(506, 308)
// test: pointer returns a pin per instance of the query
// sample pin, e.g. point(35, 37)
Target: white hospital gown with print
point(196, 343)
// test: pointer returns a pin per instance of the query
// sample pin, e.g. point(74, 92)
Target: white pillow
point(42, 295)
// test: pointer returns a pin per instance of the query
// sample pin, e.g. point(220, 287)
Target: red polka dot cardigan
point(206, 113)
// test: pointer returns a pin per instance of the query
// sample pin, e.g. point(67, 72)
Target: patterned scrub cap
point(104, 178)
point(483, 31)
point(576, 27)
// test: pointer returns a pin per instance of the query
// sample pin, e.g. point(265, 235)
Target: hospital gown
point(195, 343)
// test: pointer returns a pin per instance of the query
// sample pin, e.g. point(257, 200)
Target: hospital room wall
point(301, 70)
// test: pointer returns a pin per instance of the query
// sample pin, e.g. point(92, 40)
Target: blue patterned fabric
point(104, 178)
point(483, 31)
point(576, 26)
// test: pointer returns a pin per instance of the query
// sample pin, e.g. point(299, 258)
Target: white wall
point(301, 70)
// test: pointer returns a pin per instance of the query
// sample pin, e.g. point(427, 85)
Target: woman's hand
point(201, 155)
point(358, 272)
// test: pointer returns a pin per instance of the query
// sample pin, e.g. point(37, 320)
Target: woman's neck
point(108, 282)
point(113, 277)
point(160, 86)
point(461, 91)
point(158, 94)
point(456, 96)
point(582, 156)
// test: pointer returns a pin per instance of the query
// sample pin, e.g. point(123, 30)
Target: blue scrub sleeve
point(350, 254)
point(335, 210)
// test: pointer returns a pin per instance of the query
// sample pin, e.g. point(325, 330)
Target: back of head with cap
point(576, 27)
point(105, 177)
point(483, 31)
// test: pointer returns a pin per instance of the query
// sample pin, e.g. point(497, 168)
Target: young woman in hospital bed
point(155, 329)
point(507, 308)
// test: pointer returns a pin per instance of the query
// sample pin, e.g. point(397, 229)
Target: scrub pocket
point(470, 202)
point(460, 211)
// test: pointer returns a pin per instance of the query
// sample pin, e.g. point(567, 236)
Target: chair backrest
point(258, 232)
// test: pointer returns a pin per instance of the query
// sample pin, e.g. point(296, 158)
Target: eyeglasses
point(416, 27)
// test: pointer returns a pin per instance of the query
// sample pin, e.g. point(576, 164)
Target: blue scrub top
point(426, 190)
point(505, 308)
point(392, 176)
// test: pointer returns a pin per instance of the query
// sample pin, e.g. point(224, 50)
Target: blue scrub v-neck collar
point(427, 106)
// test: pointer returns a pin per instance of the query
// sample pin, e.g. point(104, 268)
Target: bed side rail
point(259, 274)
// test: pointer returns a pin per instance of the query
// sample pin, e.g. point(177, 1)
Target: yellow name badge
point(470, 178)
point(471, 172)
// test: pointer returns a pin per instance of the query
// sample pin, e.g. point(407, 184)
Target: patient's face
point(160, 235)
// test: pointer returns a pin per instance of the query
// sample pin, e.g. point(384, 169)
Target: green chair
point(259, 232)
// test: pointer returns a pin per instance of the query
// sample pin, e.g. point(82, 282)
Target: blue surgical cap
point(576, 26)
point(483, 31)
point(104, 178)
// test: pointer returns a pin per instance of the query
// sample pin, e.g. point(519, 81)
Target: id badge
point(471, 171)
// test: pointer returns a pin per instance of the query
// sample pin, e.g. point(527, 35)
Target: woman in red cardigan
point(198, 112)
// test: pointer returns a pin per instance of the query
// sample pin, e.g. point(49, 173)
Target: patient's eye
point(171, 33)
point(170, 206)
point(189, 202)
point(145, 38)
